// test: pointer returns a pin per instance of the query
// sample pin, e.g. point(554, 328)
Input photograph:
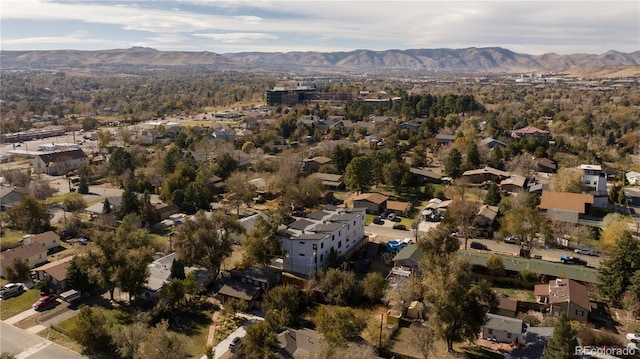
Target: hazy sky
point(532, 27)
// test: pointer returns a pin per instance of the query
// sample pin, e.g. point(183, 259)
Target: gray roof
point(258, 273)
point(98, 207)
point(344, 217)
point(328, 227)
point(317, 215)
point(311, 236)
point(499, 322)
point(300, 224)
point(62, 156)
point(240, 290)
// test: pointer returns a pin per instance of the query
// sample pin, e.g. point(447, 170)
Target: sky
point(531, 27)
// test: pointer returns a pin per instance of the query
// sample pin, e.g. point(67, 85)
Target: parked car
point(235, 343)
point(511, 239)
point(573, 260)
point(44, 302)
point(391, 216)
point(586, 251)
point(633, 337)
point(11, 290)
point(82, 241)
point(401, 227)
point(360, 254)
point(478, 245)
point(378, 220)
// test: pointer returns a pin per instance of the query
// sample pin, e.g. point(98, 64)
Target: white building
point(308, 241)
point(594, 181)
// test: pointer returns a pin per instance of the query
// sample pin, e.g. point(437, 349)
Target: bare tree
point(631, 303)
point(425, 337)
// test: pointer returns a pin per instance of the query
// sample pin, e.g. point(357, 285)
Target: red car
point(44, 302)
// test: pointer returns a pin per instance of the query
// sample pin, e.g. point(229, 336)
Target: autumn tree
point(495, 266)
point(522, 218)
point(205, 240)
point(262, 244)
point(614, 226)
point(285, 303)
point(567, 180)
point(29, 215)
point(563, 343)
point(358, 176)
point(162, 343)
point(261, 342)
point(462, 214)
point(239, 190)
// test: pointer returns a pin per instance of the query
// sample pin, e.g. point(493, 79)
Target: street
point(25, 345)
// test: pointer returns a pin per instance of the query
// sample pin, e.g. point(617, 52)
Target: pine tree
point(473, 155)
point(452, 164)
point(493, 196)
point(563, 343)
point(83, 186)
point(106, 207)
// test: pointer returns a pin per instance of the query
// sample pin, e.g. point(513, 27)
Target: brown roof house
point(565, 206)
point(545, 165)
point(531, 132)
point(55, 273)
point(314, 164)
point(485, 174)
point(374, 203)
point(515, 183)
point(59, 163)
point(34, 254)
point(565, 296)
point(398, 208)
point(48, 239)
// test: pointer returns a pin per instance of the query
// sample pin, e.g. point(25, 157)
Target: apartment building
point(308, 241)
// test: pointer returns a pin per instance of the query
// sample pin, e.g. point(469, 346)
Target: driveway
point(223, 347)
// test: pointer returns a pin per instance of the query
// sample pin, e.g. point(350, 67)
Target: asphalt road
point(25, 345)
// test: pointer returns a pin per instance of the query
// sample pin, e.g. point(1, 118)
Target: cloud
point(239, 37)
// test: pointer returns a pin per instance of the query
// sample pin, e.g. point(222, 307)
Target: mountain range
point(467, 60)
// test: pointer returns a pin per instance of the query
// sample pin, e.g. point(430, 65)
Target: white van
point(10, 290)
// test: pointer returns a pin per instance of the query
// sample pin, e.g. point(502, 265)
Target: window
point(490, 332)
point(508, 335)
point(579, 312)
point(301, 243)
point(321, 257)
point(301, 254)
point(340, 244)
point(333, 237)
point(339, 233)
point(286, 254)
point(321, 245)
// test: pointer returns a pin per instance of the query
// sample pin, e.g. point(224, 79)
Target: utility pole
point(380, 340)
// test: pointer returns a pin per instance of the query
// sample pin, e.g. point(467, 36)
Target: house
point(443, 139)
point(506, 308)
point(486, 216)
point(250, 124)
point(165, 210)
point(594, 182)
point(633, 177)
point(515, 183)
point(264, 277)
point(427, 174)
point(485, 174)
point(299, 343)
point(330, 181)
point(398, 208)
point(48, 239)
point(565, 296)
point(492, 142)
point(160, 274)
point(374, 203)
point(248, 223)
point(34, 253)
point(11, 195)
point(565, 206)
point(314, 164)
point(411, 125)
point(435, 205)
point(308, 242)
point(55, 273)
point(531, 132)
point(223, 133)
point(545, 165)
point(409, 258)
point(236, 290)
point(502, 329)
point(59, 163)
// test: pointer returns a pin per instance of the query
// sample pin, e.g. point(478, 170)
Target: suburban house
point(531, 132)
point(411, 125)
point(502, 329)
point(486, 216)
point(55, 273)
point(314, 164)
point(34, 253)
point(299, 343)
point(443, 139)
point(565, 206)
point(59, 163)
point(427, 174)
point(409, 258)
point(594, 181)
point(545, 165)
point(49, 239)
point(264, 277)
point(507, 308)
point(398, 208)
point(565, 296)
point(515, 183)
point(160, 274)
point(165, 210)
point(435, 205)
point(10, 196)
point(236, 290)
point(492, 142)
point(307, 242)
point(223, 133)
point(373, 203)
point(330, 181)
point(248, 223)
point(485, 174)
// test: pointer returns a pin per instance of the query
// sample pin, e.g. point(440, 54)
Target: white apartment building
point(308, 241)
point(594, 181)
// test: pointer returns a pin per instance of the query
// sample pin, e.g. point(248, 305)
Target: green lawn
point(12, 306)
point(10, 239)
point(61, 198)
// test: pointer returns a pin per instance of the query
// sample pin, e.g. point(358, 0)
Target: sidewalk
point(19, 317)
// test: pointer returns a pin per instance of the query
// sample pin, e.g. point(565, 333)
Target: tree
point(73, 204)
point(342, 156)
point(161, 343)
point(339, 325)
point(563, 343)
point(617, 270)
point(78, 277)
point(18, 270)
point(396, 174)
point(225, 165)
point(614, 227)
point(104, 137)
point(205, 241)
point(119, 162)
point(130, 203)
point(41, 190)
point(473, 155)
point(83, 185)
point(495, 266)
point(424, 337)
point(285, 303)
point(239, 190)
point(127, 338)
point(340, 287)
point(171, 159)
point(177, 269)
point(132, 274)
point(263, 243)
point(456, 298)
point(358, 175)
point(374, 286)
point(567, 180)
point(261, 342)
point(493, 196)
point(462, 214)
point(149, 215)
point(523, 219)
point(452, 164)
point(630, 302)
point(407, 291)
point(29, 215)
point(106, 206)
point(92, 331)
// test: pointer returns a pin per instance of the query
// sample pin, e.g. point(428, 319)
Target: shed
point(415, 310)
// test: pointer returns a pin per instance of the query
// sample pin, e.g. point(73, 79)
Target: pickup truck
point(572, 260)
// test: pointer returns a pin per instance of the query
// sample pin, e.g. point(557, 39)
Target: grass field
point(19, 304)
point(10, 239)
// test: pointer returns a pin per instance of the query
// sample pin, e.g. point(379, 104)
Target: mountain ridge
point(464, 60)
